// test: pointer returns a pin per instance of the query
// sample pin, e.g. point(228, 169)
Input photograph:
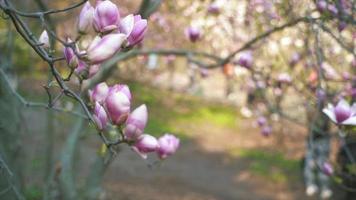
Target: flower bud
point(100, 116)
point(266, 131)
point(99, 93)
point(104, 48)
point(145, 144)
point(204, 73)
point(193, 34)
point(246, 59)
point(138, 31)
point(118, 106)
point(106, 16)
point(44, 39)
point(69, 55)
point(294, 59)
point(136, 123)
point(85, 20)
point(214, 8)
point(327, 168)
point(332, 9)
point(168, 145)
point(322, 5)
point(261, 121)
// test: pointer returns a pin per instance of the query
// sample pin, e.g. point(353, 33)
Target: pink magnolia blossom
point(168, 145)
point(342, 113)
point(136, 123)
point(118, 105)
point(145, 144)
point(106, 16)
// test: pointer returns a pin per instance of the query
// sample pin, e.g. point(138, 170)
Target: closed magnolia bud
point(136, 122)
point(85, 20)
point(118, 106)
point(145, 144)
point(100, 116)
point(69, 55)
point(168, 145)
point(104, 48)
point(138, 31)
point(44, 39)
point(99, 93)
point(193, 33)
point(106, 16)
point(246, 59)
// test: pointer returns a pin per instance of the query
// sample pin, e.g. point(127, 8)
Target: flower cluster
point(112, 105)
point(113, 35)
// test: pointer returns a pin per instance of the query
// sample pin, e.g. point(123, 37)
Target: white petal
point(330, 113)
point(350, 121)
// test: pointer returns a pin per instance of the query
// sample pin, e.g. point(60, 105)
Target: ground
point(222, 155)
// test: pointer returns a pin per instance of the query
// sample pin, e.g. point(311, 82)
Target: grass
point(168, 112)
point(270, 165)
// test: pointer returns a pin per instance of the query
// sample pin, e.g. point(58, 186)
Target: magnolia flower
point(106, 16)
point(99, 93)
point(168, 145)
point(93, 69)
point(100, 116)
point(327, 168)
point(104, 48)
point(193, 33)
point(284, 78)
point(261, 121)
point(145, 144)
point(266, 131)
point(118, 104)
point(342, 113)
point(246, 59)
point(136, 123)
point(322, 5)
point(44, 39)
point(214, 8)
point(69, 55)
point(85, 20)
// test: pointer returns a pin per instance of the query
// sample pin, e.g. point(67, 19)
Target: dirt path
point(203, 169)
